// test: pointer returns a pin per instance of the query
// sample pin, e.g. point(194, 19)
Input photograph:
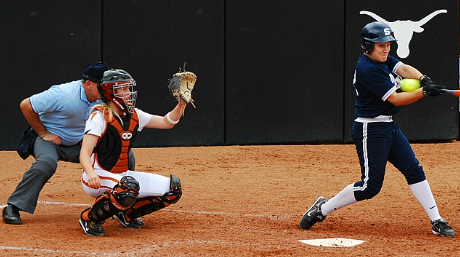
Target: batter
point(377, 138)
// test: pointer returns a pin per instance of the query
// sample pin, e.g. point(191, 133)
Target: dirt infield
point(244, 201)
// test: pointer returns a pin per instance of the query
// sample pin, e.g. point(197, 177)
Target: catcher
point(110, 131)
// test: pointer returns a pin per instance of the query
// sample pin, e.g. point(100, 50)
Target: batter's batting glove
point(430, 88)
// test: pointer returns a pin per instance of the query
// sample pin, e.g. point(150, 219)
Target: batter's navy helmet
point(375, 32)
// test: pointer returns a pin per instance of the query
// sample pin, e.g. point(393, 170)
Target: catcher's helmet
point(375, 32)
point(118, 86)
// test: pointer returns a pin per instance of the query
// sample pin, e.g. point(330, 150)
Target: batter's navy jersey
point(374, 82)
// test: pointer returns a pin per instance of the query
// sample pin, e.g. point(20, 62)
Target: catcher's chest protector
point(114, 144)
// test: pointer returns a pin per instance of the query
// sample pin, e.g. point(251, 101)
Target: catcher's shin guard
point(122, 197)
point(146, 205)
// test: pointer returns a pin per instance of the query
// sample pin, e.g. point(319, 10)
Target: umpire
point(58, 117)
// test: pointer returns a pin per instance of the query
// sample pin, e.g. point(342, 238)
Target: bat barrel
point(452, 92)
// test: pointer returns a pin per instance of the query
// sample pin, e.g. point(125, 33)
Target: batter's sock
point(342, 199)
point(423, 194)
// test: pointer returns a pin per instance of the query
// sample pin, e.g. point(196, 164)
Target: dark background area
point(284, 71)
point(277, 72)
point(152, 40)
point(42, 43)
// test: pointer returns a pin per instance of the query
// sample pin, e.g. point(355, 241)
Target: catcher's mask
point(118, 86)
point(375, 32)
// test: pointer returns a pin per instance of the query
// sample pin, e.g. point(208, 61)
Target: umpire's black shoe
point(11, 215)
point(313, 214)
point(441, 227)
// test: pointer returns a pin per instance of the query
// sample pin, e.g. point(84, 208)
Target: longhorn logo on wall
point(404, 30)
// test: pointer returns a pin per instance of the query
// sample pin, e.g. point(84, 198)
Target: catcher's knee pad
point(122, 197)
point(126, 192)
point(146, 205)
point(176, 190)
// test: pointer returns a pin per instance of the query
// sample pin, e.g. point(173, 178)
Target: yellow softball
point(408, 85)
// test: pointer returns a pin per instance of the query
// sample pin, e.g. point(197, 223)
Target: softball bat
point(452, 92)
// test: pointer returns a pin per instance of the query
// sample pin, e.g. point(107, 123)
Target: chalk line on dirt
point(57, 251)
point(270, 216)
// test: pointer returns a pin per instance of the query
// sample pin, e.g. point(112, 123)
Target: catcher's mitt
point(181, 86)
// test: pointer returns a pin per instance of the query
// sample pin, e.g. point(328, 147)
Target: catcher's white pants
point(150, 184)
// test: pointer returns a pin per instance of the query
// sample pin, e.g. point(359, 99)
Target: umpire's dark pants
point(47, 155)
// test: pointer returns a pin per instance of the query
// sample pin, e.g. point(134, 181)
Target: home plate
point(333, 242)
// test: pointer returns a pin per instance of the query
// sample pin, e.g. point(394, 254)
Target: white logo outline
point(126, 136)
point(404, 29)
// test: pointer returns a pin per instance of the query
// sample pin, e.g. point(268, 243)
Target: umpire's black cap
point(95, 71)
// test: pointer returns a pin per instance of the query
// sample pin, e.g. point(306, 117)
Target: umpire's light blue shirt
point(63, 110)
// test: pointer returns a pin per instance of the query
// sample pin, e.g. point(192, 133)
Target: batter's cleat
point(91, 228)
point(11, 215)
point(313, 215)
point(127, 222)
point(440, 227)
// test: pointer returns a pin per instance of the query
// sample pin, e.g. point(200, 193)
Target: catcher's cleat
point(91, 228)
point(442, 228)
point(313, 214)
point(127, 222)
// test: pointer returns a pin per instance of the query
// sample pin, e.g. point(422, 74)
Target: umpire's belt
point(381, 118)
